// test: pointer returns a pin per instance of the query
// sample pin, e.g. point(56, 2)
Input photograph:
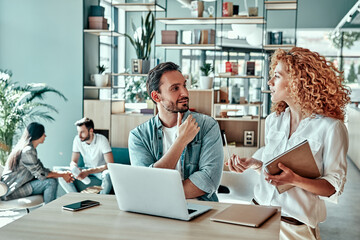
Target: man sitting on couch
point(96, 153)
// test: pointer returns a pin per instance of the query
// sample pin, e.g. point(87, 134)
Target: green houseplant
point(142, 43)
point(206, 81)
point(18, 106)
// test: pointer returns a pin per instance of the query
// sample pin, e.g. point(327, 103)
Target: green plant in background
point(101, 68)
point(135, 89)
point(348, 38)
point(351, 78)
point(18, 106)
point(206, 69)
point(142, 39)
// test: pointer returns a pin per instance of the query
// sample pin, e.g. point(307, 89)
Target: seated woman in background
point(309, 102)
point(24, 174)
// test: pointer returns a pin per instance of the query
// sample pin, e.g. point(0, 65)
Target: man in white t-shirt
point(96, 153)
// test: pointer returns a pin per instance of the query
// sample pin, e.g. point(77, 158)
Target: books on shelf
point(147, 111)
point(299, 159)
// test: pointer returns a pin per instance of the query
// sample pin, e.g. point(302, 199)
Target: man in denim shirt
point(178, 139)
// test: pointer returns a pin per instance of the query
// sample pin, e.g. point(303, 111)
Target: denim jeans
point(104, 176)
point(47, 188)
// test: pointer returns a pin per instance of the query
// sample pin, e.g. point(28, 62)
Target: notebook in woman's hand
point(299, 159)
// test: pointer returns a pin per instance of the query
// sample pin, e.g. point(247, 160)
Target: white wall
point(41, 41)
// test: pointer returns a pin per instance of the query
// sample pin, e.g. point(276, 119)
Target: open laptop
point(152, 191)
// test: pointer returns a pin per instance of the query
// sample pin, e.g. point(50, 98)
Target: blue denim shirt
point(201, 161)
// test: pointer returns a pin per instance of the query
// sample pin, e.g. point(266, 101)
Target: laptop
point(246, 215)
point(152, 191)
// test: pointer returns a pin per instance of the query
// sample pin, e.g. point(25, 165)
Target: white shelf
point(236, 119)
point(219, 20)
point(139, 7)
point(103, 32)
point(129, 74)
point(266, 91)
point(200, 90)
point(95, 87)
point(276, 46)
point(237, 76)
point(238, 104)
point(281, 5)
point(190, 46)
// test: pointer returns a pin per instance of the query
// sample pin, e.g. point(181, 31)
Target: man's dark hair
point(155, 74)
point(89, 124)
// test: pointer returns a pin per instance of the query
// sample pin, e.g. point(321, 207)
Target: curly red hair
point(314, 82)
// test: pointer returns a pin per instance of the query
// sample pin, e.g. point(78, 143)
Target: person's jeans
point(47, 188)
point(104, 176)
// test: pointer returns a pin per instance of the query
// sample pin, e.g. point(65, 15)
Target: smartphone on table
point(80, 205)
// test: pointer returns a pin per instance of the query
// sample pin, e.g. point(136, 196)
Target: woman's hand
point(287, 176)
point(239, 165)
point(68, 177)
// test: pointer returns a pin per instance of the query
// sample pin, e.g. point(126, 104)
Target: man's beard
point(173, 107)
point(85, 139)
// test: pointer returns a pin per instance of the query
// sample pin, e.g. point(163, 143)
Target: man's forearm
point(191, 190)
point(170, 159)
point(95, 170)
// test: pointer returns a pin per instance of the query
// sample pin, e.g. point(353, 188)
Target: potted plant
point(141, 41)
point(206, 82)
point(18, 106)
point(101, 80)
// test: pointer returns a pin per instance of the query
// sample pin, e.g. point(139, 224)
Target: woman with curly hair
point(309, 102)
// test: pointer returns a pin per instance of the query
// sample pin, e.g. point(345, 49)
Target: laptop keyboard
point(191, 210)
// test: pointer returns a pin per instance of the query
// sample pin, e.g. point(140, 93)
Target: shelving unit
point(139, 7)
point(212, 20)
point(203, 101)
point(189, 46)
point(103, 33)
point(102, 111)
point(279, 6)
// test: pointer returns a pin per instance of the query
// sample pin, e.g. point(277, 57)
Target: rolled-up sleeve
point(33, 164)
point(207, 178)
point(140, 154)
point(334, 157)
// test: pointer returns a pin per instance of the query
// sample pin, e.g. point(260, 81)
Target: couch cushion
point(121, 155)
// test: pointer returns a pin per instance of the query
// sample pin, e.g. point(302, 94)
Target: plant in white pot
point(101, 80)
point(143, 37)
point(206, 82)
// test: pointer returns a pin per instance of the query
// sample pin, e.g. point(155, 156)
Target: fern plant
point(142, 40)
point(20, 105)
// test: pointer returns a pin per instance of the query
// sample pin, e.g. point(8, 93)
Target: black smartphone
point(80, 205)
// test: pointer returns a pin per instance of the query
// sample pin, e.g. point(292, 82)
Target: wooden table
point(108, 222)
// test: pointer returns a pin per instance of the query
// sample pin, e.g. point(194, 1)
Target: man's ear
point(91, 130)
point(155, 96)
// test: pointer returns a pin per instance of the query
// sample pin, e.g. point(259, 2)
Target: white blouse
point(328, 141)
